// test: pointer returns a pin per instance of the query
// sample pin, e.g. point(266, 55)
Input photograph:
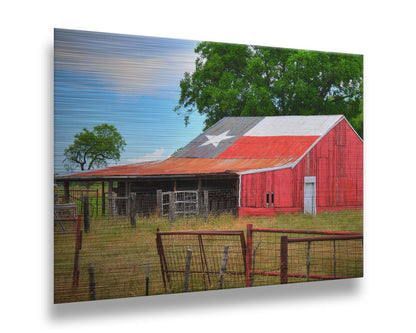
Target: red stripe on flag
point(269, 147)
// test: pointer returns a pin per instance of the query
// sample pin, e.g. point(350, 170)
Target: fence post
point(308, 261)
point(206, 205)
point(335, 261)
point(102, 199)
point(110, 199)
point(86, 213)
point(223, 266)
point(91, 272)
point(283, 259)
point(133, 209)
point(147, 276)
point(96, 201)
point(78, 245)
point(66, 192)
point(159, 203)
point(248, 255)
point(163, 265)
point(113, 204)
point(187, 270)
point(200, 202)
point(172, 207)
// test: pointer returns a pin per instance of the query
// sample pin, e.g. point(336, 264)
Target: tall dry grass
point(119, 252)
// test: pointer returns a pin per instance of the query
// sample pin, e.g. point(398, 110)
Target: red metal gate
point(270, 256)
point(207, 257)
point(275, 255)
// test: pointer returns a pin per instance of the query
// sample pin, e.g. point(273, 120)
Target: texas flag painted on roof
point(238, 145)
point(259, 137)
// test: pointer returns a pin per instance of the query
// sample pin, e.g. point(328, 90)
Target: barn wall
point(337, 163)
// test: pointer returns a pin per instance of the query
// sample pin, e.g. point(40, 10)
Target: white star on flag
point(216, 139)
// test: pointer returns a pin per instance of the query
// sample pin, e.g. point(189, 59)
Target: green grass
point(119, 251)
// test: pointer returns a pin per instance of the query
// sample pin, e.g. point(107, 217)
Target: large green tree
point(244, 80)
point(92, 149)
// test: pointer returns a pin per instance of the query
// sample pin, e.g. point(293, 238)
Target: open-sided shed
point(270, 165)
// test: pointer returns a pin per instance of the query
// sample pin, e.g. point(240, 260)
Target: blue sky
point(131, 82)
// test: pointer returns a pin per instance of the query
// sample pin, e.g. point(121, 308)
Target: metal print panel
point(186, 166)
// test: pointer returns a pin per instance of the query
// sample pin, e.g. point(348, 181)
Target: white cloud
point(130, 75)
point(158, 154)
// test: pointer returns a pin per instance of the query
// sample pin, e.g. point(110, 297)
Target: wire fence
point(125, 262)
point(112, 260)
point(222, 201)
point(65, 217)
point(117, 206)
point(309, 255)
point(76, 195)
point(216, 260)
point(324, 258)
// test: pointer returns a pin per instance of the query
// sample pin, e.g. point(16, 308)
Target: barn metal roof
point(181, 166)
point(234, 145)
point(235, 127)
point(294, 126)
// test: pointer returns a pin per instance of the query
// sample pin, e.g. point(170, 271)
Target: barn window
point(272, 199)
point(267, 199)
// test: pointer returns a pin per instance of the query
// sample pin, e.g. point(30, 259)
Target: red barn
point(273, 165)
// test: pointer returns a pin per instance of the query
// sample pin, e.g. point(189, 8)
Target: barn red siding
point(336, 161)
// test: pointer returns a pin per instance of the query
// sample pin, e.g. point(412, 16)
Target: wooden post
point(159, 211)
point(96, 201)
point(171, 207)
point(335, 261)
point(308, 261)
point(91, 272)
point(113, 204)
point(147, 276)
point(187, 270)
point(66, 192)
point(283, 259)
point(110, 200)
point(163, 263)
point(78, 245)
point(200, 202)
point(133, 209)
point(206, 205)
point(86, 213)
point(110, 203)
point(237, 191)
point(102, 199)
point(127, 195)
point(248, 255)
point(223, 266)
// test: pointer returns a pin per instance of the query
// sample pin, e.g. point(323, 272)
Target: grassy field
point(119, 252)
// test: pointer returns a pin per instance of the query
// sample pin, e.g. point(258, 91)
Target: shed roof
point(234, 145)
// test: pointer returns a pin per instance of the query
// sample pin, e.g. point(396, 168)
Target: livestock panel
point(309, 255)
point(207, 248)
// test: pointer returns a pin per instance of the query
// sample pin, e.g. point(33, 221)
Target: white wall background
point(383, 32)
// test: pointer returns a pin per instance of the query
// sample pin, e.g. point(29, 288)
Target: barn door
point(309, 195)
